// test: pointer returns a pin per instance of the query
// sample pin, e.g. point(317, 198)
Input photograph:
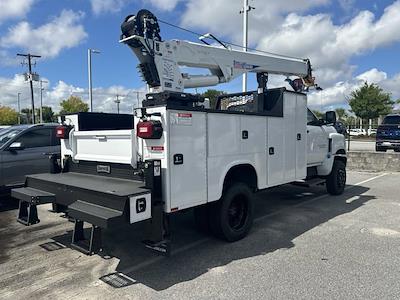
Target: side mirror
point(16, 146)
point(330, 117)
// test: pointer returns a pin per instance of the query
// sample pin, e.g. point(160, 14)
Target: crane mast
point(160, 61)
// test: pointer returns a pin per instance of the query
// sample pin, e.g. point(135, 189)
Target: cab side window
point(36, 138)
point(311, 118)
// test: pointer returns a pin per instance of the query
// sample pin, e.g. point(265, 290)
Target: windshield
point(7, 134)
point(391, 120)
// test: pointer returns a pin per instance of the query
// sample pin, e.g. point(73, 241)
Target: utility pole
point(137, 98)
point(245, 11)
point(118, 102)
point(89, 54)
point(19, 109)
point(30, 78)
point(41, 100)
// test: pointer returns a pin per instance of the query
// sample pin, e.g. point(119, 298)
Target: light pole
point(118, 102)
point(19, 109)
point(41, 99)
point(89, 53)
point(245, 12)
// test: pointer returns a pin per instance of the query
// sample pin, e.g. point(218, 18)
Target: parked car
point(24, 150)
point(357, 132)
point(372, 132)
point(388, 134)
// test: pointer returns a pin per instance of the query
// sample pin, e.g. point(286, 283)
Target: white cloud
point(284, 27)
point(329, 46)
point(167, 5)
point(103, 98)
point(107, 6)
point(337, 94)
point(222, 17)
point(373, 76)
point(50, 39)
point(12, 9)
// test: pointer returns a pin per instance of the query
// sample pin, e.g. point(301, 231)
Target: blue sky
point(343, 38)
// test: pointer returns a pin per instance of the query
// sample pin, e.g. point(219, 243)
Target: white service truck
point(177, 153)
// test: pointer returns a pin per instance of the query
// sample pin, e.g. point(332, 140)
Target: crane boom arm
point(161, 61)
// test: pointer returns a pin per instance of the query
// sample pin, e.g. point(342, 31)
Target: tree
point(318, 114)
point(212, 95)
point(26, 116)
point(8, 116)
point(370, 102)
point(341, 114)
point(48, 114)
point(73, 105)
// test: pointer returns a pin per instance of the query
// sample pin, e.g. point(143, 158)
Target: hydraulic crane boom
point(160, 61)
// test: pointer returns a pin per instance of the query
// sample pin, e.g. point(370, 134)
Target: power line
point(228, 43)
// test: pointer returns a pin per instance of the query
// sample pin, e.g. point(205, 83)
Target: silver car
point(24, 150)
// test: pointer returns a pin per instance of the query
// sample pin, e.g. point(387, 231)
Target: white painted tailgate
point(114, 146)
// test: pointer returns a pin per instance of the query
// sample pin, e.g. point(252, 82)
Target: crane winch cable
point(228, 43)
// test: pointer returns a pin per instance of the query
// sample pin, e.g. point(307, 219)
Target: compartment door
point(301, 132)
point(187, 159)
point(275, 151)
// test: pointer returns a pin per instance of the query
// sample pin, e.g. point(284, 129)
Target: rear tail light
point(62, 131)
point(149, 129)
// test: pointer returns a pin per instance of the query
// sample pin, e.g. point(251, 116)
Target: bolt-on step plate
point(33, 196)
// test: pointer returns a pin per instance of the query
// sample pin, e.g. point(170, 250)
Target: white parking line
point(203, 240)
point(370, 179)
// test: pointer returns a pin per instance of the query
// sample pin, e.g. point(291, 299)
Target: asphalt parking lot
point(304, 245)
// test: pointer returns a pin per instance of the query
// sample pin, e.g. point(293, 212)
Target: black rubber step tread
point(94, 214)
point(32, 195)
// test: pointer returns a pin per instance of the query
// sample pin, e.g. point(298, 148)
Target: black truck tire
point(336, 181)
point(231, 217)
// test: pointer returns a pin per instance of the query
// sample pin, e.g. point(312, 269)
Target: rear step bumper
point(103, 202)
